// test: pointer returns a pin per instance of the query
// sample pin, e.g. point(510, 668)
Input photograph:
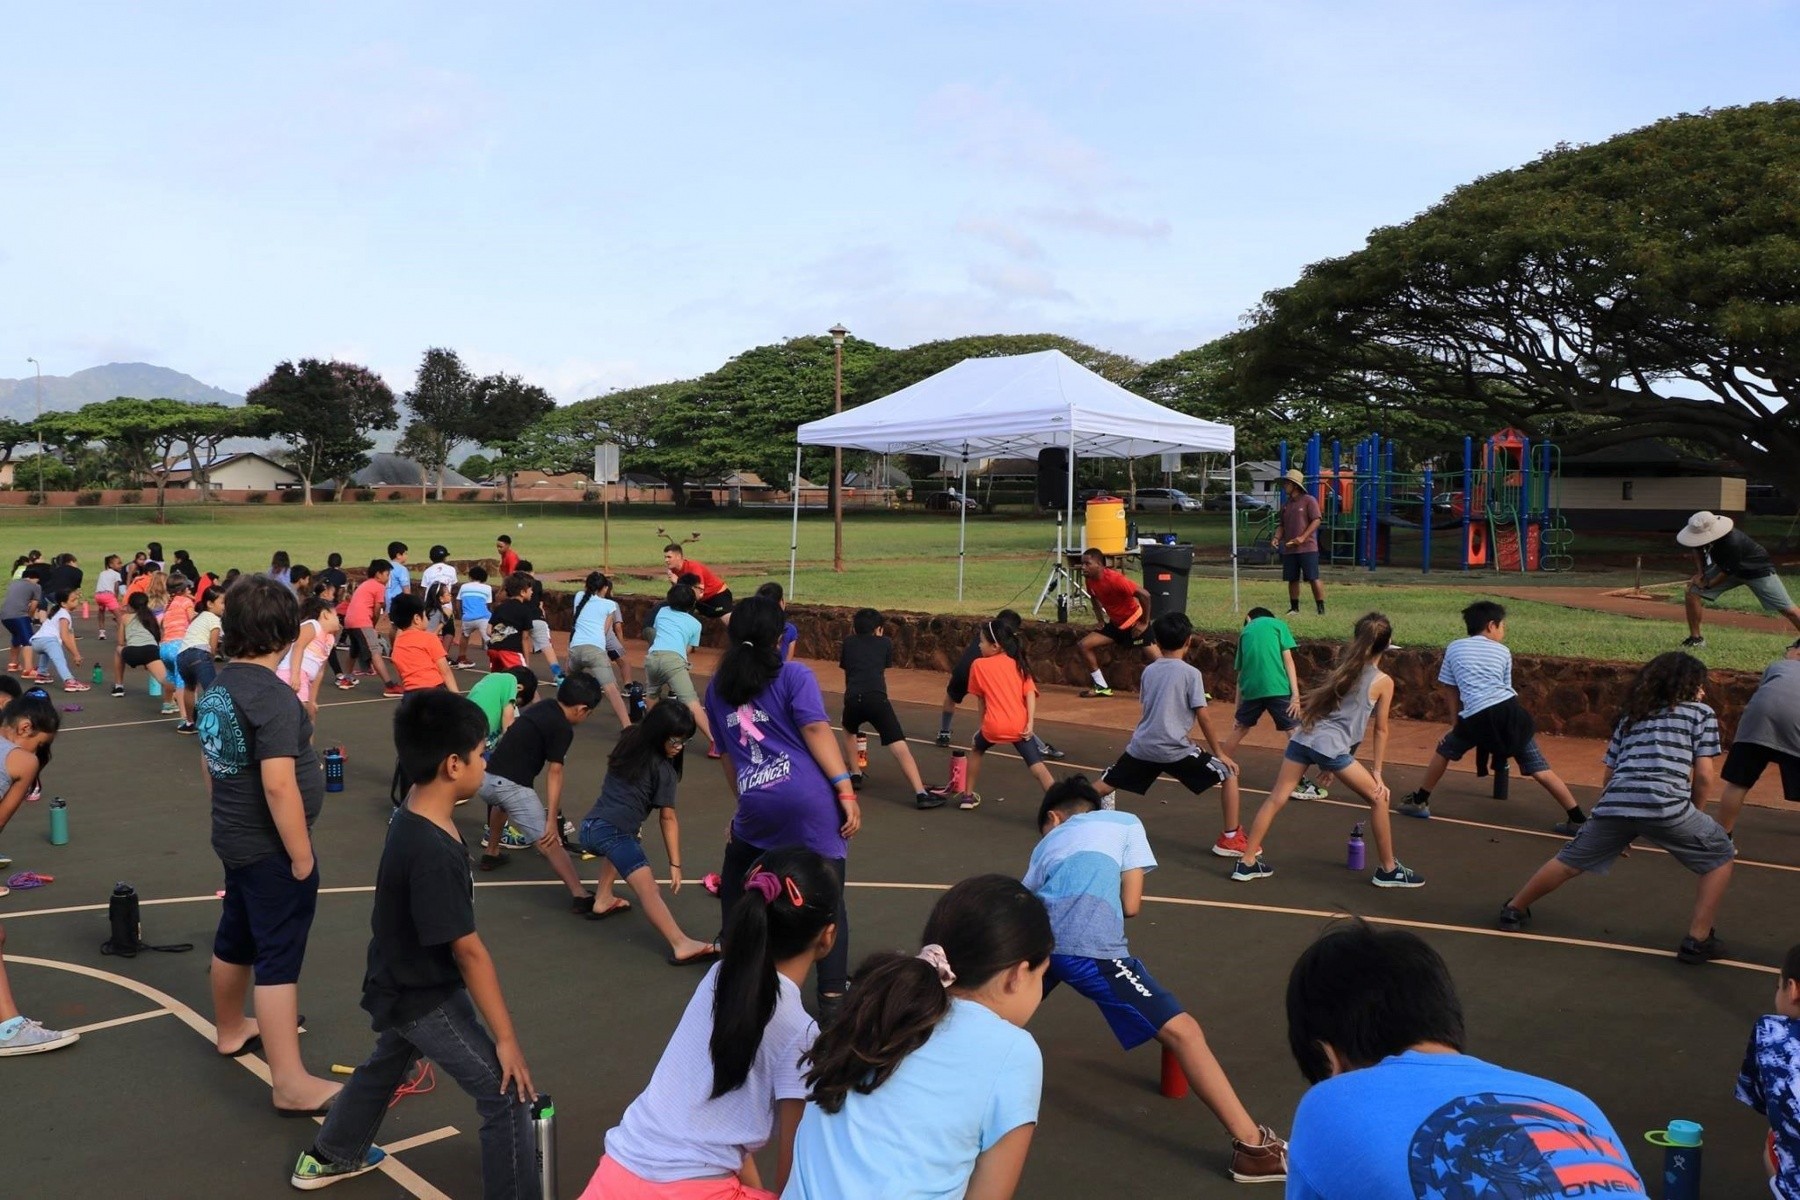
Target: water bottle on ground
point(59, 822)
point(862, 753)
point(99, 675)
point(959, 772)
point(334, 770)
point(1357, 853)
point(543, 1128)
point(1681, 1143)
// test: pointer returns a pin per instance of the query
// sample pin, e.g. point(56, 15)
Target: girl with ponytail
point(928, 1076)
point(1006, 697)
point(732, 1073)
point(1334, 717)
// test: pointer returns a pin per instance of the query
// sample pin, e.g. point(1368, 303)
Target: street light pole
point(838, 333)
point(38, 427)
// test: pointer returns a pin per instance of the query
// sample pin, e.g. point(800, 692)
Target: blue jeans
point(452, 1037)
point(52, 649)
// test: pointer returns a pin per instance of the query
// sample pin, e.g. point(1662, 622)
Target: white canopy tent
point(1016, 406)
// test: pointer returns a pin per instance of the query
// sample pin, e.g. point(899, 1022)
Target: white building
point(238, 472)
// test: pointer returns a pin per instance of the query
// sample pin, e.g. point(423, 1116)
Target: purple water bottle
point(1354, 859)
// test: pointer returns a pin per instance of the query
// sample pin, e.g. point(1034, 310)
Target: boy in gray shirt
point(1174, 701)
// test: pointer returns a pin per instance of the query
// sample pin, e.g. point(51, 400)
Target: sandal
point(617, 907)
point(706, 955)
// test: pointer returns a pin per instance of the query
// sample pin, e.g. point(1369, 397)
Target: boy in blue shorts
point(1268, 683)
point(1089, 871)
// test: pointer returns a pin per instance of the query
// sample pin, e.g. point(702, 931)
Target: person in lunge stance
point(1124, 609)
point(1729, 558)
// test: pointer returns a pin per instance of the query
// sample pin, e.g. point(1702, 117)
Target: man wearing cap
point(1298, 540)
point(1728, 558)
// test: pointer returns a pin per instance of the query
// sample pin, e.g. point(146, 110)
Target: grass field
point(900, 561)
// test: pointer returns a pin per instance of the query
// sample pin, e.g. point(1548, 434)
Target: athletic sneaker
point(1692, 951)
point(1262, 1163)
point(968, 800)
point(1402, 876)
point(118, 689)
point(187, 727)
point(943, 740)
point(1415, 804)
point(1231, 845)
point(393, 689)
point(75, 685)
point(169, 709)
point(312, 1172)
point(21, 1035)
point(926, 800)
point(1051, 752)
point(1693, 643)
point(1514, 919)
point(1566, 828)
point(1306, 789)
point(345, 682)
point(462, 664)
point(513, 838)
point(1097, 693)
point(1250, 872)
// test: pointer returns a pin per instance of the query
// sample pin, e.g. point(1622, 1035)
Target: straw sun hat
point(1703, 529)
point(1296, 477)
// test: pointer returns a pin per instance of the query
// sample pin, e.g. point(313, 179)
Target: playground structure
point(1505, 505)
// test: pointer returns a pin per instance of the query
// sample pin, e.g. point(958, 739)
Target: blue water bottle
point(1681, 1143)
point(1355, 858)
point(59, 822)
point(334, 770)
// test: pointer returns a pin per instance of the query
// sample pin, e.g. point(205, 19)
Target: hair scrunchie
point(764, 884)
point(934, 957)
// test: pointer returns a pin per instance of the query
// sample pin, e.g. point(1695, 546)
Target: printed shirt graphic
point(223, 738)
point(1075, 870)
point(783, 796)
point(1770, 1083)
point(1452, 1127)
point(247, 716)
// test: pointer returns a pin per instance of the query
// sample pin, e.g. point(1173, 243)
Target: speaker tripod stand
point(1061, 582)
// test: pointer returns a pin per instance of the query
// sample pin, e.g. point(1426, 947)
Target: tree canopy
point(443, 401)
point(324, 411)
point(505, 410)
point(1646, 286)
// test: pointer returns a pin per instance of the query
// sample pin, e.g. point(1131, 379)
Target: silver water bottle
point(543, 1128)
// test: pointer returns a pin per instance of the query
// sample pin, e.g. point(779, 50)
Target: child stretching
point(1174, 701)
point(139, 636)
point(929, 1076)
point(500, 695)
point(957, 689)
point(475, 603)
point(640, 777)
point(1089, 872)
point(790, 633)
point(1268, 683)
point(1659, 776)
point(54, 643)
point(417, 653)
point(865, 658)
point(1478, 672)
point(198, 647)
point(1767, 732)
point(537, 740)
point(594, 623)
point(175, 620)
point(1769, 1081)
point(28, 725)
point(674, 631)
point(304, 663)
point(1333, 720)
point(1006, 696)
point(692, 1132)
point(429, 972)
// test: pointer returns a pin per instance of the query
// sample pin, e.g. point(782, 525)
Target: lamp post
point(838, 333)
point(38, 426)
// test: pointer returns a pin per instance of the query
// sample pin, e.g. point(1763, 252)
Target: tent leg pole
point(794, 537)
point(962, 522)
point(1069, 515)
point(1234, 531)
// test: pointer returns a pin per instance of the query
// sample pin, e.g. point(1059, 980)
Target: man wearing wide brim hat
point(1297, 540)
point(1729, 558)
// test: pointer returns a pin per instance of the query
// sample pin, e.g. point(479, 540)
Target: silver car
point(1165, 500)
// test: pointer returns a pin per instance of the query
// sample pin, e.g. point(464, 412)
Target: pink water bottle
point(959, 771)
point(1354, 859)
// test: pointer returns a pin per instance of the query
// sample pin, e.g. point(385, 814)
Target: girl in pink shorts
point(304, 662)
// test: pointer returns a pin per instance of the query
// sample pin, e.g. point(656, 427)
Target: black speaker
point(1053, 478)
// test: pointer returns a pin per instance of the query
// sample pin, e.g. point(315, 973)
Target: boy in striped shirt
point(1478, 671)
point(1660, 772)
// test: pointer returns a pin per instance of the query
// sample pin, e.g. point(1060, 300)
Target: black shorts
point(1295, 567)
point(1197, 772)
point(1505, 730)
point(872, 708)
point(140, 656)
point(1027, 748)
point(958, 688)
point(265, 919)
point(1746, 762)
point(715, 606)
point(1119, 637)
point(1249, 712)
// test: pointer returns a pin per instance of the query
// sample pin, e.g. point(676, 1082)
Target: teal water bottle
point(1681, 1143)
point(59, 822)
point(155, 688)
point(99, 675)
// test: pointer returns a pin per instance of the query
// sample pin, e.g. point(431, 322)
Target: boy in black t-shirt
point(538, 738)
point(865, 657)
point(538, 632)
point(510, 623)
point(429, 972)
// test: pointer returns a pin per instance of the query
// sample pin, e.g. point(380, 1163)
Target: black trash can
point(1166, 570)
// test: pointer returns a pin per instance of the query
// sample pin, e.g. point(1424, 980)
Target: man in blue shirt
point(1397, 1109)
point(1089, 872)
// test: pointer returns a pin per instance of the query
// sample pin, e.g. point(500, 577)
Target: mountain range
point(18, 397)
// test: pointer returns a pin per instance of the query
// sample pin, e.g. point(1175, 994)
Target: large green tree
point(505, 410)
point(141, 434)
point(323, 412)
point(1648, 285)
point(200, 434)
point(564, 439)
point(445, 413)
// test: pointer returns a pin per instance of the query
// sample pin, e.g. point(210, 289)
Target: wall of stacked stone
point(1568, 696)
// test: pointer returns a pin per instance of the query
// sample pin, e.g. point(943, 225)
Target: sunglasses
point(678, 741)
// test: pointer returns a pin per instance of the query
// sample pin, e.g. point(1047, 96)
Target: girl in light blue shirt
point(927, 1085)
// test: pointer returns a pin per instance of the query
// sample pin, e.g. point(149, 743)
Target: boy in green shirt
point(1268, 683)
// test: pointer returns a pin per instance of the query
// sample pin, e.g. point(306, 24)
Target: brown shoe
point(1265, 1163)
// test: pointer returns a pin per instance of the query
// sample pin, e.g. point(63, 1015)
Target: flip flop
point(253, 1043)
point(706, 955)
point(622, 906)
point(297, 1113)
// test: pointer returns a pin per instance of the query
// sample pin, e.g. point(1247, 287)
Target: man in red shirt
point(1124, 609)
point(509, 559)
point(364, 610)
point(713, 596)
point(1297, 540)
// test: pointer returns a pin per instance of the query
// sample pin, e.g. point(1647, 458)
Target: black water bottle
point(122, 915)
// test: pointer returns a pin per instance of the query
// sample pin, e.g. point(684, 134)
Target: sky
point(599, 195)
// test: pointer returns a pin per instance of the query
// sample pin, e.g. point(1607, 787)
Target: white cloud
point(1009, 238)
point(1017, 281)
point(1088, 219)
point(993, 129)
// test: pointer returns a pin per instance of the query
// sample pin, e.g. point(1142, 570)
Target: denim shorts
point(197, 667)
point(1306, 756)
point(623, 850)
point(20, 628)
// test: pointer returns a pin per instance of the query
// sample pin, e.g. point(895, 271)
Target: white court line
point(422, 1139)
point(116, 1021)
point(171, 717)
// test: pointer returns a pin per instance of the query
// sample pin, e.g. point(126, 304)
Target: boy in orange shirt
point(1124, 608)
point(418, 654)
point(1006, 695)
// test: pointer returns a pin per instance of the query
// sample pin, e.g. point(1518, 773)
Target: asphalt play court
point(144, 1107)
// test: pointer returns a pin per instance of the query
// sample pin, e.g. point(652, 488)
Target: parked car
point(1221, 502)
point(1165, 500)
point(946, 502)
point(1086, 494)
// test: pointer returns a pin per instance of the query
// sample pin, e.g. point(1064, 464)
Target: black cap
point(439, 554)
